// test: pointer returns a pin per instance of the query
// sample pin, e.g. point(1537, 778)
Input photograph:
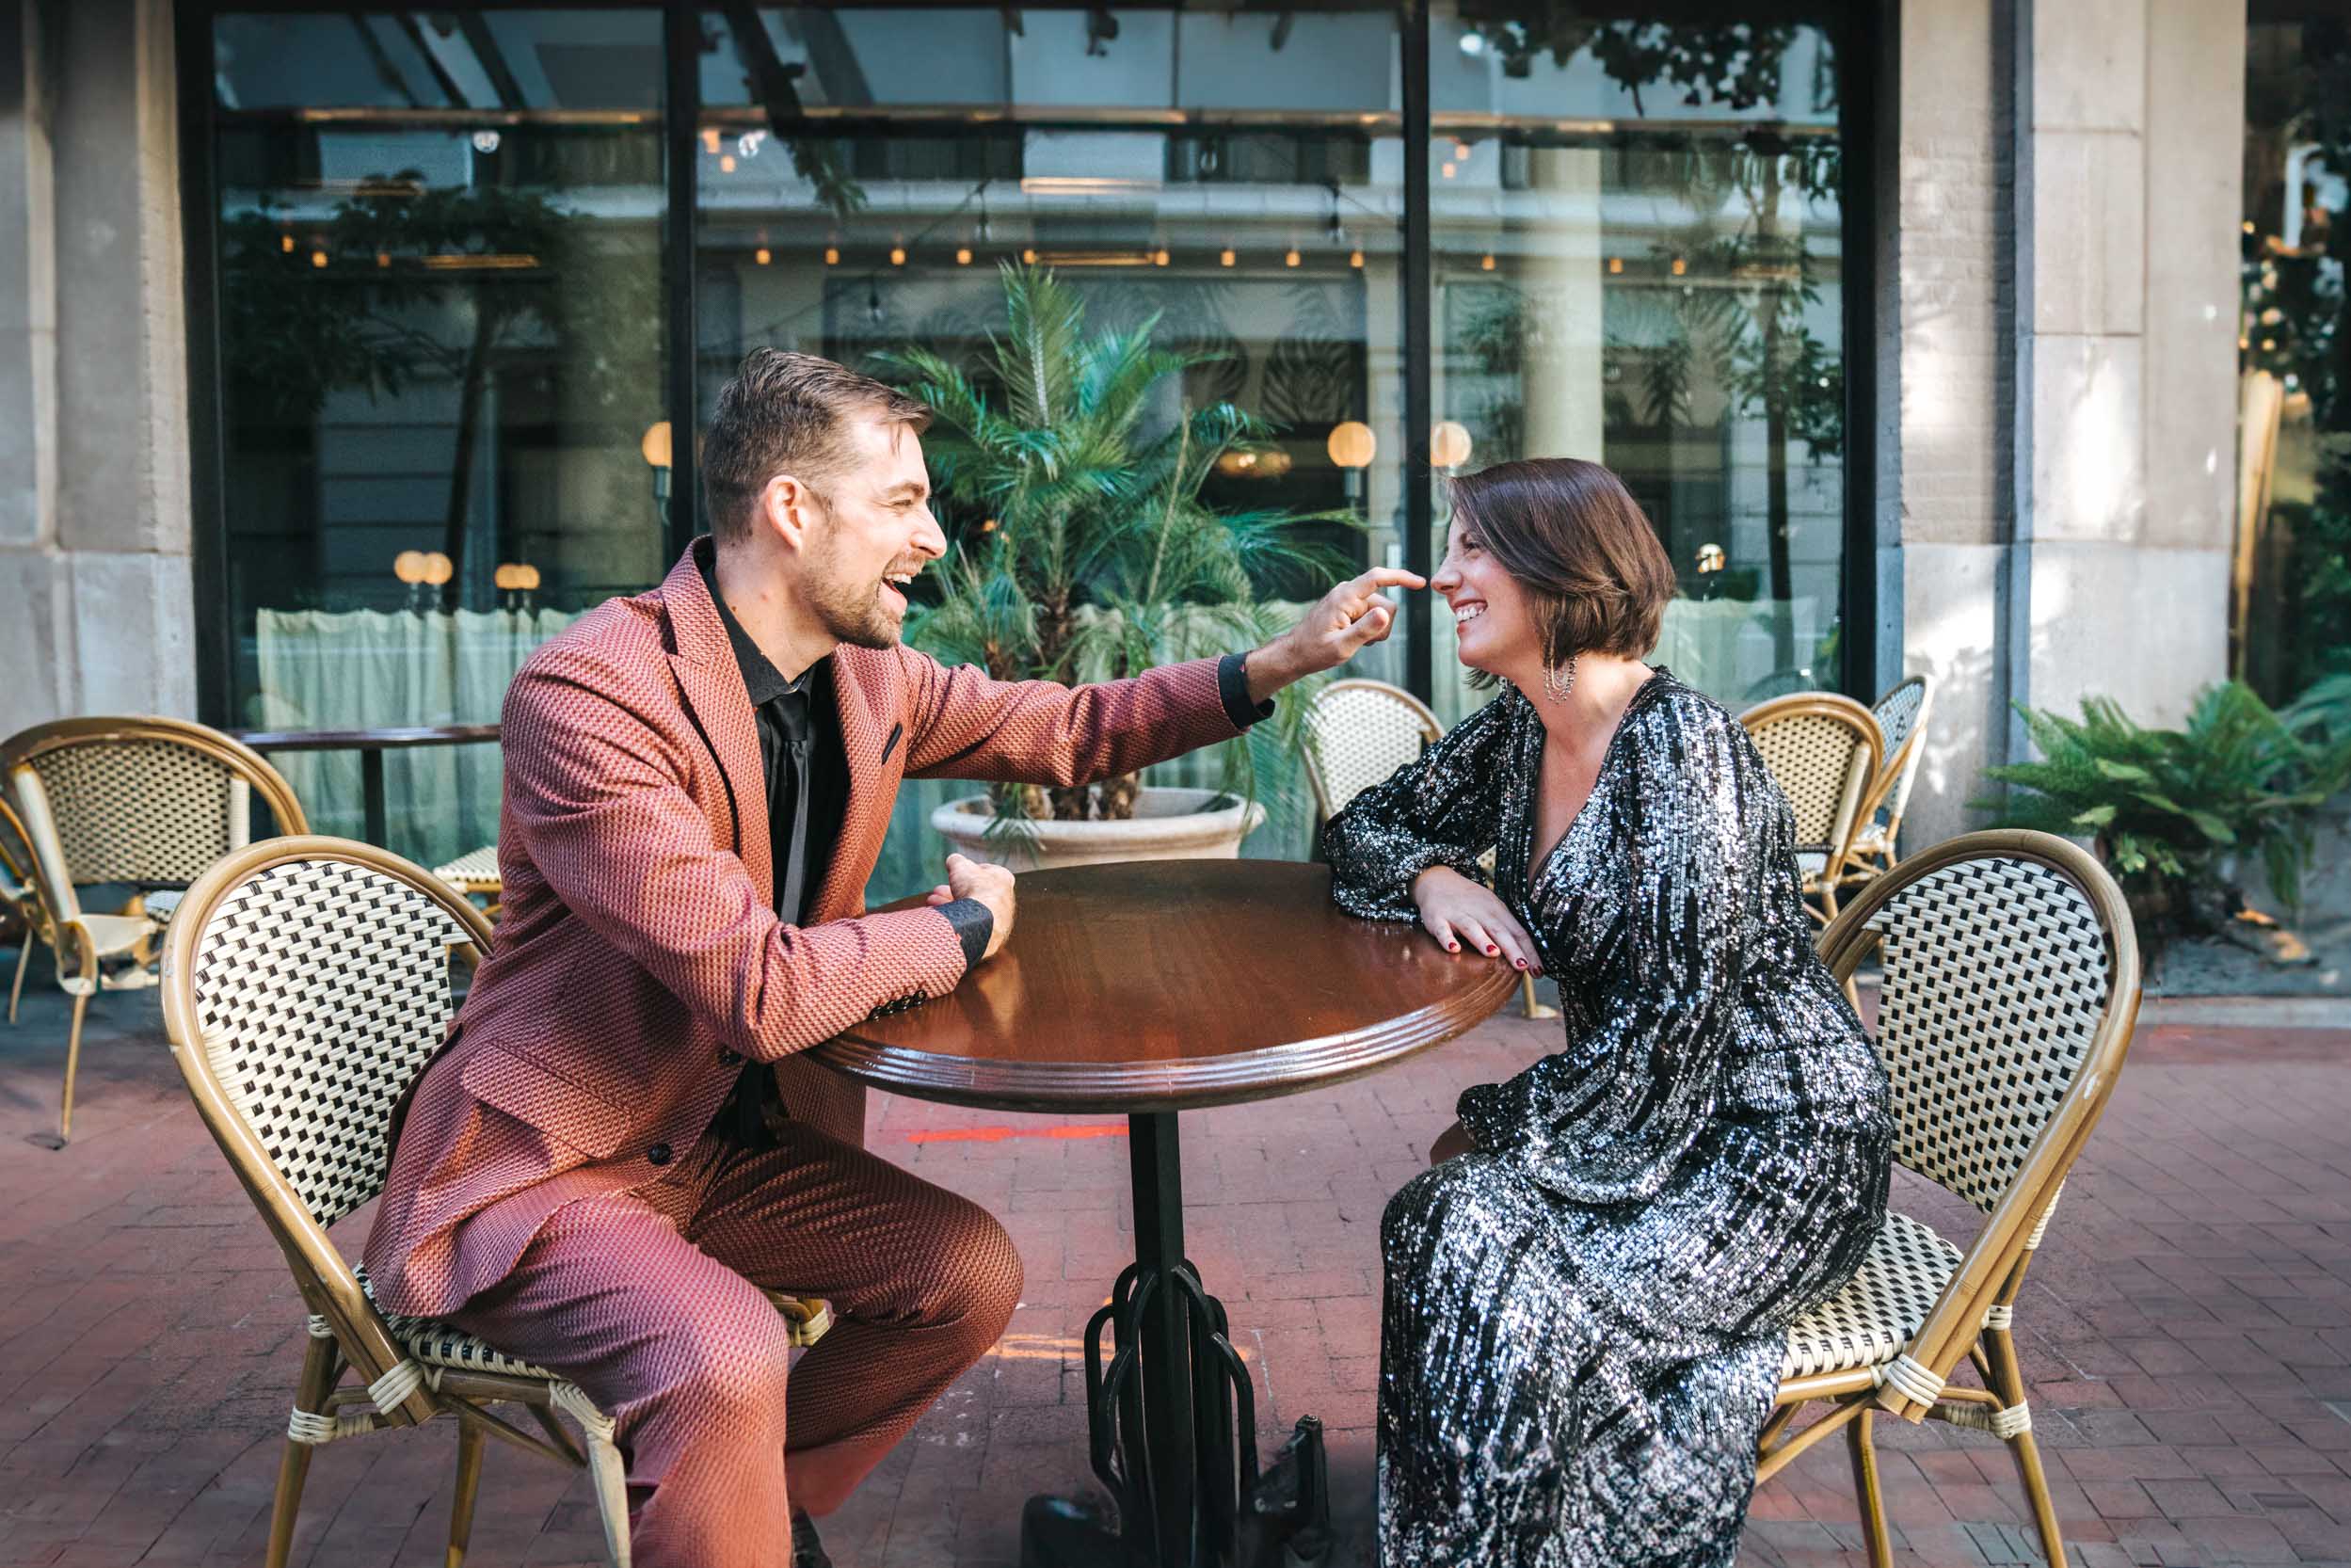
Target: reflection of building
point(1912, 322)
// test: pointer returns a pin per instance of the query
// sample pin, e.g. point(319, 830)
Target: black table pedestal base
point(1170, 1416)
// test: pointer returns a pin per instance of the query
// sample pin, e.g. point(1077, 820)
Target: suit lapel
point(704, 663)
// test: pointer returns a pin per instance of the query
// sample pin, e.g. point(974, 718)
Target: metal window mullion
point(682, 40)
point(1419, 304)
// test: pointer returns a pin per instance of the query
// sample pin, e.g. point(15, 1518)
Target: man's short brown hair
point(1572, 534)
point(787, 413)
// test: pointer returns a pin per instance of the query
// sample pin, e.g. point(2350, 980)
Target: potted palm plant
point(1071, 477)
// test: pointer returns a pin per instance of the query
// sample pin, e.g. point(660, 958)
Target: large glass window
point(1229, 179)
point(1637, 255)
point(440, 346)
point(445, 282)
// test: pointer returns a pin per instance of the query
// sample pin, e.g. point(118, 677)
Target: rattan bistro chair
point(2012, 984)
point(1824, 750)
point(1357, 732)
point(305, 982)
point(1901, 716)
point(146, 802)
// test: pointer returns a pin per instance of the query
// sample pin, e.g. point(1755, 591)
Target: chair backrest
point(306, 984)
point(1901, 716)
point(141, 800)
point(1357, 733)
point(1823, 749)
point(2012, 983)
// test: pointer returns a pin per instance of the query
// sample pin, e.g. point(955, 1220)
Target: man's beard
point(854, 615)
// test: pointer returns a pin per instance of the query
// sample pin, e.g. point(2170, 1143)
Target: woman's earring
point(1558, 682)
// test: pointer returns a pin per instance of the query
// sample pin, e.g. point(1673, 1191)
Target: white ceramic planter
point(1168, 825)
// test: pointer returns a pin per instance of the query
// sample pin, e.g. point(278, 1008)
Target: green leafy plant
point(1073, 470)
point(2175, 811)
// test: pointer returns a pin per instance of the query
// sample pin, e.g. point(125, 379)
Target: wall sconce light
point(832, 255)
point(762, 255)
point(1485, 263)
point(898, 255)
point(1353, 446)
point(1449, 443)
point(1227, 258)
point(1354, 259)
point(962, 255)
point(518, 577)
point(1289, 257)
point(654, 448)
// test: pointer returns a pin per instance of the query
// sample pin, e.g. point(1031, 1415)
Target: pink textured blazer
point(639, 960)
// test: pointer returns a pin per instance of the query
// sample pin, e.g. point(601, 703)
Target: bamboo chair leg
point(469, 1484)
point(24, 962)
point(2008, 1382)
point(1534, 1008)
point(1860, 1442)
point(609, 1476)
point(320, 1370)
point(73, 1061)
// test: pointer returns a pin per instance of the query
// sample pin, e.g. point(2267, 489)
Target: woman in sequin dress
point(1585, 1292)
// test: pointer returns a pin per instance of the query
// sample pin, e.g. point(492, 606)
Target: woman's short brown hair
point(1577, 541)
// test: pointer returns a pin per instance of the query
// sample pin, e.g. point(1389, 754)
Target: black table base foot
point(1058, 1533)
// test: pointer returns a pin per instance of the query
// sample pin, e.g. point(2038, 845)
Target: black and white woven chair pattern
point(2012, 981)
point(148, 803)
point(1356, 734)
point(1901, 716)
point(1823, 750)
point(307, 984)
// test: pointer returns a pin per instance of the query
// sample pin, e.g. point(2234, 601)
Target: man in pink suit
point(618, 1148)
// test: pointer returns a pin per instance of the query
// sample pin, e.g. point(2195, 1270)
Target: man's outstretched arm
point(965, 725)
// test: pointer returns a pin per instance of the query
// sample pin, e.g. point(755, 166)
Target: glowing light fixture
point(727, 164)
point(318, 258)
point(762, 255)
point(1353, 445)
point(655, 446)
point(1227, 259)
point(1616, 263)
point(962, 255)
point(408, 567)
point(1485, 263)
point(898, 255)
point(438, 568)
point(1449, 443)
point(1289, 258)
point(1355, 257)
point(832, 255)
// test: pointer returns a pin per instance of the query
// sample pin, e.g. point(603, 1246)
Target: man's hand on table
point(1346, 620)
point(991, 886)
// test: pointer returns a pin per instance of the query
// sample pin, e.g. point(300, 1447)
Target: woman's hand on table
point(990, 885)
point(1460, 913)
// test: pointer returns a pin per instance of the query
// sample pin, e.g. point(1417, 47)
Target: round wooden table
point(1150, 989)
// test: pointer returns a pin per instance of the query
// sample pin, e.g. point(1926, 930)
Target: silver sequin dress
point(1581, 1336)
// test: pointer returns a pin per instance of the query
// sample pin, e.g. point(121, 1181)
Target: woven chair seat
point(474, 872)
point(1874, 1319)
point(437, 1342)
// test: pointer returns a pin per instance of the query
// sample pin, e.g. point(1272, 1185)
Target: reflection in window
point(1637, 258)
point(1232, 181)
point(441, 346)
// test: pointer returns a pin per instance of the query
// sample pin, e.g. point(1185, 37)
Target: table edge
point(1113, 1087)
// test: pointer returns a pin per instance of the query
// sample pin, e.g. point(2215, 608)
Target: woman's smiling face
point(1493, 613)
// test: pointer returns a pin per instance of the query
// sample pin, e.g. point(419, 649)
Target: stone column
point(1952, 389)
point(97, 612)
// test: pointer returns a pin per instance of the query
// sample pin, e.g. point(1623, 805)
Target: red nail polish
point(1453, 947)
point(1520, 962)
point(1492, 951)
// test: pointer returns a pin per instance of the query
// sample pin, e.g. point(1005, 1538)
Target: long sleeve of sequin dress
point(1582, 1324)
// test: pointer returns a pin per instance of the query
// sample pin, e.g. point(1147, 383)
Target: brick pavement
point(2187, 1328)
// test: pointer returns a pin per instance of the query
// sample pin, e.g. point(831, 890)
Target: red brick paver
point(2187, 1328)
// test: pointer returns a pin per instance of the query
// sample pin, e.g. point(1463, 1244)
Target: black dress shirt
point(807, 779)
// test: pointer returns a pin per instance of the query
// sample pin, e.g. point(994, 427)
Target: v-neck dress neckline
point(1531, 744)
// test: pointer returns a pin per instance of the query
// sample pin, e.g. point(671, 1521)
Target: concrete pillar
point(2066, 284)
point(97, 613)
point(1952, 389)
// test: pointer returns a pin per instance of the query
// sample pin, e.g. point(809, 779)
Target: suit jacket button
point(657, 1154)
point(729, 1057)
